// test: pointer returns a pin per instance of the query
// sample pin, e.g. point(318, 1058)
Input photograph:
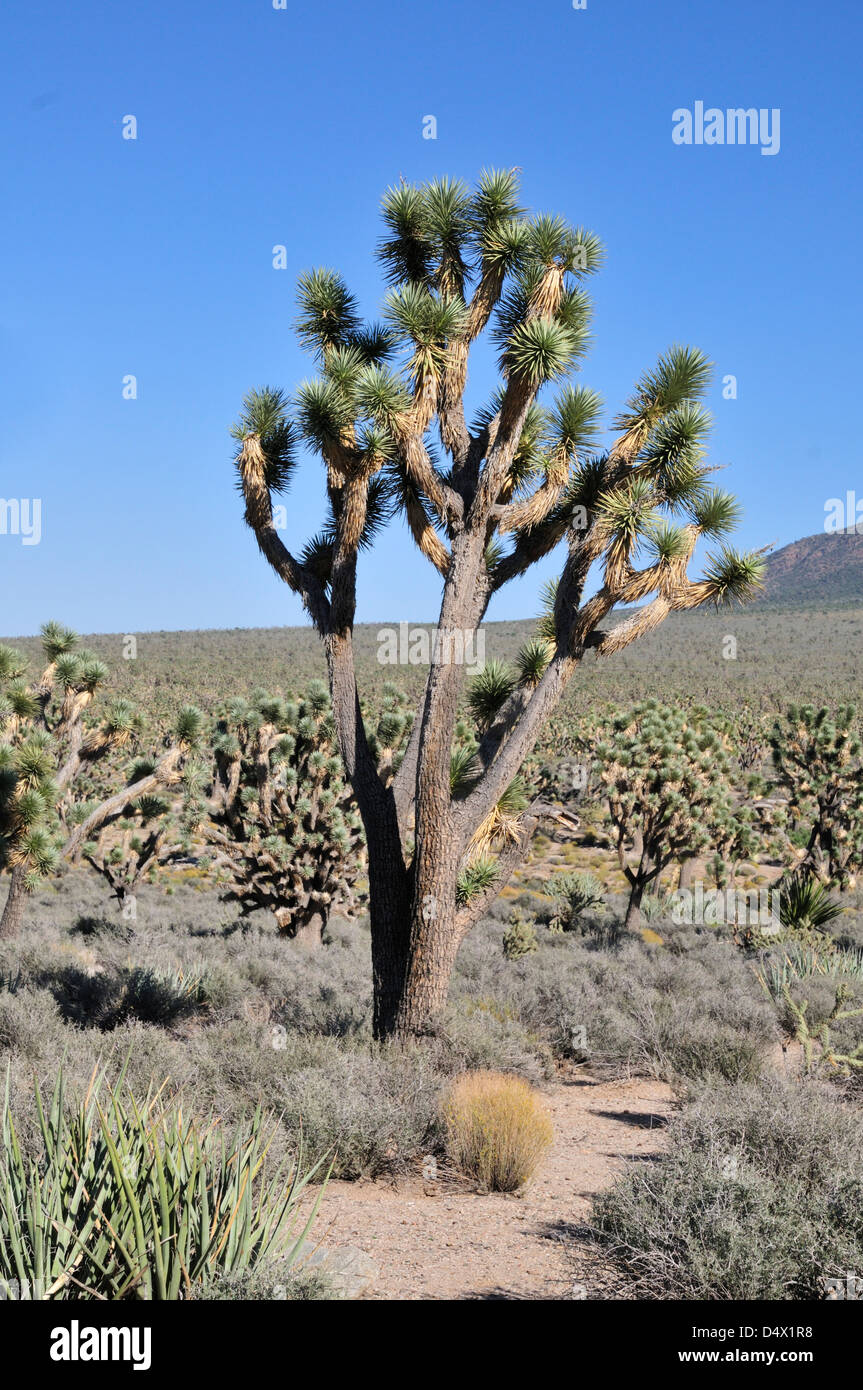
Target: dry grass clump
point(497, 1129)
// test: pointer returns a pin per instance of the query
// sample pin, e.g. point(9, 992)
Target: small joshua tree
point(133, 845)
point(276, 809)
point(664, 773)
point(738, 834)
point(817, 756)
point(522, 478)
point(574, 894)
point(49, 751)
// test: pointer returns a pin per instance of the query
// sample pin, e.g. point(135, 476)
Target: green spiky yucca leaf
point(532, 661)
point(681, 375)
point(137, 1199)
point(328, 316)
point(540, 350)
point(12, 663)
point(406, 253)
point(716, 513)
point(189, 725)
point(57, 639)
point(264, 417)
point(475, 878)
point(324, 411)
point(805, 904)
point(733, 577)
point(574, 420)
point(677, 443)
point(488, 690)
point(464, 769)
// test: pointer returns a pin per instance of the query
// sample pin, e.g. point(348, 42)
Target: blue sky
point(259, 127)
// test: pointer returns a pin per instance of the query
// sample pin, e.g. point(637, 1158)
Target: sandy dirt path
point(438, 1240)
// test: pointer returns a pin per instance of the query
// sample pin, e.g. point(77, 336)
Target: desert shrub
point(325, 993)
point(497, 1129)
point(138, 1200)
point(290, 1029)
point(89, 925)
point(760, 1197)
point(271, 1282)
point(642, 1008)
point(28, 1021)
point(702, 1049)
point(483, 1034)
point(373, 1108)
point(106, 998)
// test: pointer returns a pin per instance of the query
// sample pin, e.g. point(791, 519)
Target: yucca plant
point(475, 879)
point(488, 691)
point(142, 1201)
point(805, 907)
point(527, 474)
point(800, 962)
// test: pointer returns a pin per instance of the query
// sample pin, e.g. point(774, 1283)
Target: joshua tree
point(817, 756)
point(574, 894)
point(46, 748)
point(738, 834)
point(665, 772)
point(277, 811)
point(133, 845)
point(516, 482)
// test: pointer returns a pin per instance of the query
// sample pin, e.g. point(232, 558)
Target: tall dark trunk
point(684, 880)
point(13, 912)
point(390, 884)
point(633, 907)
point(389, 914)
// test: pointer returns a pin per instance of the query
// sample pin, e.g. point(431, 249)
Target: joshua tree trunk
point(389, 912)
point(13, 912)
point(640, 879)
point(684, 880)
point(633, 907)
point(434, 943)
point(309, 933)
point(428, 976)
point(434, 929)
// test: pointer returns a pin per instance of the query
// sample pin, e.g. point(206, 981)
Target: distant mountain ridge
point(826, 568)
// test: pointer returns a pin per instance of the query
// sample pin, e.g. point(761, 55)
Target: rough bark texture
point(13, 912)
point(633, 908)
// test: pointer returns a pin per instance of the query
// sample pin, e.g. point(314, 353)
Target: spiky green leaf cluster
point(131, 1199)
